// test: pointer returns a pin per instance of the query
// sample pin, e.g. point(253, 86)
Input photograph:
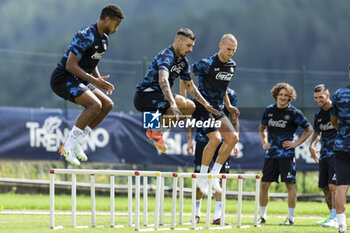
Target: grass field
point(307, 213)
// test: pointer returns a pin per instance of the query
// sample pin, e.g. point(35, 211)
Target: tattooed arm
point(165, 87)
point(193, 91)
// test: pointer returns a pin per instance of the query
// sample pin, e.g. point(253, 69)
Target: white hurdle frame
point(159, 207)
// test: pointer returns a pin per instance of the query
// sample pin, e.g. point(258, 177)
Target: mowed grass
point(307, 213)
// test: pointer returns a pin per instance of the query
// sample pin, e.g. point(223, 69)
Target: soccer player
point(201, 142)
point(324, 130)
point(278, 125)
point(340, 118)
point(214, 73)
point(154, 93)
point(78, 80)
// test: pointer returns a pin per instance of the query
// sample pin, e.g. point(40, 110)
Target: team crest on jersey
point(286, 117)
point(232, 69)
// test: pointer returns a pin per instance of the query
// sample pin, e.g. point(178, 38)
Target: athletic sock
point(263, 210)
point(75, 135)
point(204, 169)
point(291, 214)
point(216, 168)
point(198, 207)
point(217, 212)
point(341, 219)
point(333, 213)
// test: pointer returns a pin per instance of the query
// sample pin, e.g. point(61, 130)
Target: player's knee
point(190, 107)
point(215, 141)
point(95, 107)
point(108, 106)
point(232, 139)
point(180, 102)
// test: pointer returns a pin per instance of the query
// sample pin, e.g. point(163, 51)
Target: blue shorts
point(200, 113)
point(285, 167)
point(67, 86)
point(199, 154)
point(327, 172)
point(151, 101)
point(342, 167)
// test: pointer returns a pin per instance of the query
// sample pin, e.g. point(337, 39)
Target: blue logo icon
point(151, 120)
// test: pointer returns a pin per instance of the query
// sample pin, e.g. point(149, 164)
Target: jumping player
point(154, 93)
point(214, 73)
point(78, 80)
point(201, 142)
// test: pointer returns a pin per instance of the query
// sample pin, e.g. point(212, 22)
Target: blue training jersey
point(166, 60)
point(200, 135)
point(323, 125)
point(281, 126)
point(341, 108)
point(89, 46)
point(213, 78)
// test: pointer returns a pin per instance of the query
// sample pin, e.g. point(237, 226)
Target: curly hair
point(112, 11)
point(290, 89)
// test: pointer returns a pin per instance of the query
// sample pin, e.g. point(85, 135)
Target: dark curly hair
point(290, 89)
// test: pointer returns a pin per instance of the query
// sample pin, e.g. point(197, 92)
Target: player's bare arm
point(193, 91)
point(314, 140)
point(165, 87)
point(334, 121)
point(232, 109)
point(291, 144)
point(73, 67)
point(183, 91)
point(263, 137)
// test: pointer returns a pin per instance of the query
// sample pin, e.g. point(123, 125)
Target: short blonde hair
point(289, 88)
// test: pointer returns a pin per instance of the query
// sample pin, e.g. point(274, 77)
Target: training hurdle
point(159, 203)
point(112, 174)
point(194, 177)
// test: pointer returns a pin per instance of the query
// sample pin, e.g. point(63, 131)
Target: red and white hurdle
point(159, 203)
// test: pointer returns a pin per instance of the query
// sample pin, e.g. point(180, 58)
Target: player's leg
point(107, 106)
point(270, 174)
point(342, 168)
point(186, 106)
point(224, 170)
point(208, 153)
point(197, 165)
point(323, 184)
point(230, 140)
point(74, 90)
point(331, 188)
point(288, 175)
point(149, 102)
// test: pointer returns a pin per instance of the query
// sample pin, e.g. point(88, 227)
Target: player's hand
point(176, 111)
point(189, 147)
point(235, 151)
point(266, 146)
point(212, 110)
point(289, 145)
point(104, 85)
point(313, 153)
point(233, 111)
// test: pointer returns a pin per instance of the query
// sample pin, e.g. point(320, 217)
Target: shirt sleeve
point(165, 61)
point(334, 110)
point(264, 118)
point(81, 42)
point(301, 120)
point(316, 125)
point(201, 67)
point(185, 74)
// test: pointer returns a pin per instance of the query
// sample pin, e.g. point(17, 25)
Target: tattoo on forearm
point(165, 87)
